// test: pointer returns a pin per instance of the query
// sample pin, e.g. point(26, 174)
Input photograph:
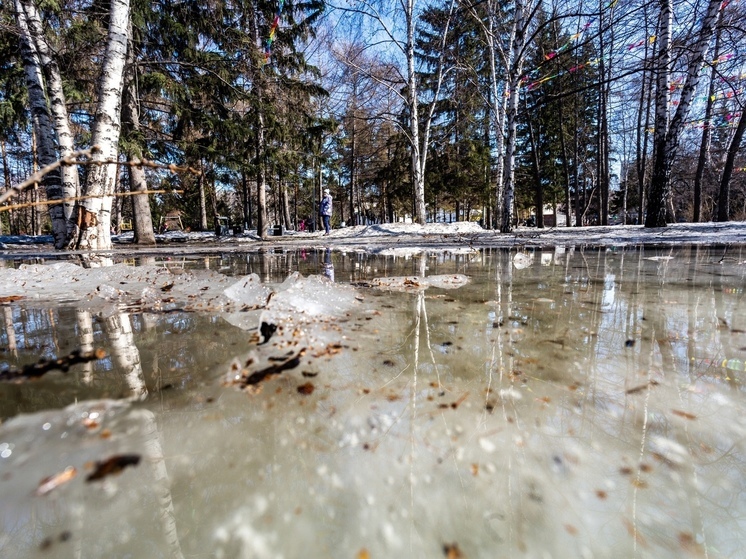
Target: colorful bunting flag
point(272, 32)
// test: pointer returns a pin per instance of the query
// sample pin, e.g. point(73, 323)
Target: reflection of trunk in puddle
point(419, 309)
point(126, 354)
point(10, 331)
point(506, 364)
point(158, 486)
point(724, 332)
point(694, 292)
point(153, 456)
point(85, 333)
point(654, 333)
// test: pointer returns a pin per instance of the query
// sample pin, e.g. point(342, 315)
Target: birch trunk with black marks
point(43, 128)
point(668, 135)
point(420, 139)
point(261, 173)
point(57, 104)
point(515, 68)
point(92, 218)
point(418, 157)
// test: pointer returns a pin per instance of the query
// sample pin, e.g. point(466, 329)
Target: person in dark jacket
point(326, 210)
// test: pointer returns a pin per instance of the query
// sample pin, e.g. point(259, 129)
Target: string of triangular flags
point(728, 120)
point(532, 84)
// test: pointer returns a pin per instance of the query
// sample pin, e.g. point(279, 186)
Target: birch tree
point(417, 128)
point(499, 45)
point(523, 11)
point(668, 133)
point(93, 215)
point(57, 104)
point(42, 123)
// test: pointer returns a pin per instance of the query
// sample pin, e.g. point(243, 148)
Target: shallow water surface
point(561, 404)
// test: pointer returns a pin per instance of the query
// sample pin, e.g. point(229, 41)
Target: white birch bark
point(202, 200)
point(418, 179)
point(57, 104)
point(93, 216)
point(420, 144)
point(514, 80)
point(261, 178)
point(499, 109)
point(42, 122)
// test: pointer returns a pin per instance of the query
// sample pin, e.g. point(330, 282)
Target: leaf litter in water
point(452, 551)
point(112, 466)
point(246, 379)
point(306, 388)
point(54, 481)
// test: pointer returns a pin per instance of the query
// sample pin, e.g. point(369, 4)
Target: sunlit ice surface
point(565, 403)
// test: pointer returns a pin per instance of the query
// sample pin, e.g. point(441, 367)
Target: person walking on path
point(326, 210)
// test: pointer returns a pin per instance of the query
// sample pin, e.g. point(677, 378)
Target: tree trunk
point(421, 142)
point(576, 168)
point(565, 166)
point(245, 196)
point(514, 75)
point(704, 147)
point(285, 205)
point(642, 141)
point(202, 199)
point(539, 192)
point(143, 220)
point(261, 180)
point(418, 180)
point(667, 136)
point(93, 215)
point(58, 107)
point(353, 155)
point(6, 176)
point(498, 100)
point(42, 123)
point(735, 145)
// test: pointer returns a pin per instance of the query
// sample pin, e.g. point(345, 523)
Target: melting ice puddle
point(581, 404)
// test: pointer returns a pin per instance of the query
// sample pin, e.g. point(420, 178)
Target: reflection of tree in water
point(565, 433)
point(10, 333)
point(84, 322)
point(125, 353)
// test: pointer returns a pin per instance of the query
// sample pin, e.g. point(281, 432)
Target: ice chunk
point(446, 281)
point(249, 291)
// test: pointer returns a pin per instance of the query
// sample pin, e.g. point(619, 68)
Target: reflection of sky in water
point(576, 406)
